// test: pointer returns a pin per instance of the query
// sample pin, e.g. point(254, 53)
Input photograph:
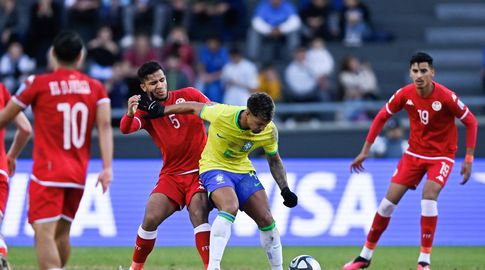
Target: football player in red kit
point(66, 105)
point(181, 139)
point(8, 162)
point(432, 109)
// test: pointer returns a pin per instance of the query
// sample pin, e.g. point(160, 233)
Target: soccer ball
point(304, 262)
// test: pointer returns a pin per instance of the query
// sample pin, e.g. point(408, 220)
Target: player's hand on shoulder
point(290, 198)
point(466, 171)
point(133, 102)
point(105, 177)
point(356, 165)
point(152, 106)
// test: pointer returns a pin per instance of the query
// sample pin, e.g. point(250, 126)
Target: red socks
point(379, 225)
point(202, 243)
point(428, 227)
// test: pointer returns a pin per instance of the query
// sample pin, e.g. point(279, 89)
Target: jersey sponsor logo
point(436, 105)
point(461, 104)
point(409, 102)
point(219, 135)
point(247, 146)
point(180, 100)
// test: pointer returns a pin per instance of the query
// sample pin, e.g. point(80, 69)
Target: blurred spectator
point(15, 66)
point(141, 52)
point(45, 23)
point(357, 82)
point(212, 58)
point(83, 17)
point(355, 22)
point(117, 86)
point(179, 14)
point(103, 53)
point(321, 64)
point(112, 16)
point(393, 144)
point(178, 42)
point(144, 15)
point(483, 69)
point(10, 26)
point(319, 20)
point(174, 73)
point(224, 18)
point(275, 21)
point(270, 82)
point(240, 79)
point(301, 82)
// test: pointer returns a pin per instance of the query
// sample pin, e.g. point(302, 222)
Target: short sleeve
point(270, 146)
point(27, 93)
point(102, 95)
point(395, 103)
point(211, 112)
point(456, 106)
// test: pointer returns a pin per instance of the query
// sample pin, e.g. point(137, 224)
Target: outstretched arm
point(279, 174)
point(376, 127)
point(24, 129)
point(185, 108)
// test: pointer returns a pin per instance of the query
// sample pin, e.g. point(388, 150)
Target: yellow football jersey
point(228, 146)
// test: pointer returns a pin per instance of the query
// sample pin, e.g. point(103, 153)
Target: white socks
point(366, 253)
point(220, 234)
point(270, 241)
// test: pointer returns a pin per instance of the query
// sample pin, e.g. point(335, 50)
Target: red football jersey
point(433, 131)
point(64, 104)
point(4, 98)
point(180, 137)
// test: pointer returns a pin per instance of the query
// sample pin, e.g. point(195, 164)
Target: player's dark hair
point(67, 46)
point(147, 69)
point(261, 105)
point(421, 57)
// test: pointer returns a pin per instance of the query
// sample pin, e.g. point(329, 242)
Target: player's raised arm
point(24, 130)
point(278, 172)
point(128, 122)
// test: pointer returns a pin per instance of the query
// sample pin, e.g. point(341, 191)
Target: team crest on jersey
point(220, 178)
point(246, 146)
point(436, 105)
point(179, 100)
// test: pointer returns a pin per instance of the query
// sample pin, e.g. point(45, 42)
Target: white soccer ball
point(304, 262)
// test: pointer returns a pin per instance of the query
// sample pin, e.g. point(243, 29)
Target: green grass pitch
point(253, 258)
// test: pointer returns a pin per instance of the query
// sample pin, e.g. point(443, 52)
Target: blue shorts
point(244, 184)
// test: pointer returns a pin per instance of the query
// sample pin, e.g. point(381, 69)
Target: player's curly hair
point(148, 68)
point(67, 46)
point(421, 57)
point(261, 105)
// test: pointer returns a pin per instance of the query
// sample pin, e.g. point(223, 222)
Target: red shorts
point(3, 192)
point(179, 188)
point(411, 170)
point(52, 203)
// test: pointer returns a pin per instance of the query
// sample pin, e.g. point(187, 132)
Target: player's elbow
point(25, 129)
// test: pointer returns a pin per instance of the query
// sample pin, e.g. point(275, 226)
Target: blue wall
point(335, 207)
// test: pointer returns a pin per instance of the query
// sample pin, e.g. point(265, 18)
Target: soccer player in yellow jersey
point(227, 172)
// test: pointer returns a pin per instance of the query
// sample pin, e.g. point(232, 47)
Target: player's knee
point(386, 208)
point(264, 220)
point(230, 207)
point(199, 215)
point(151, 221)
point(430, 195)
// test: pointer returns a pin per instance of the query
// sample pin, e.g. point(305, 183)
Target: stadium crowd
point(228, 49)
